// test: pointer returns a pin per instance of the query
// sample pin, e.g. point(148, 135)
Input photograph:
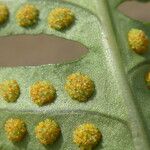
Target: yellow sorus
point(79, 86)
point(60, 18)
point(138, 40)
point(47, 131)
point(147, 79)
point(4, 13)
point(15, 129)
point(42, 92)
point(86, 136)
point(10, 90)
point(27, 15)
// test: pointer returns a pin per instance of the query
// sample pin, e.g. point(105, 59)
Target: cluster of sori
point(28, 15)
point(86, 135)
point(78, 86)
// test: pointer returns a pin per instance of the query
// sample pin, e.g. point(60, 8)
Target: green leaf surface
point(113, 108)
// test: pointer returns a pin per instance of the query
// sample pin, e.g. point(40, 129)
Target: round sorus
point(60, 18)
point(86, 136)
point(9, 90)
point(79, 86)
point(4, 13)
point(15, 129)
point(147, 79)
point(47, 131)
point(138, 40)
point(27, 15)
point(42, 92)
